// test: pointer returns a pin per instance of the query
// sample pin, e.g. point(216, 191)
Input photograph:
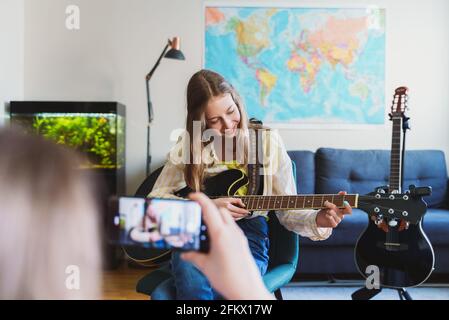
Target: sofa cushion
point(305, 171)
point(360, 171)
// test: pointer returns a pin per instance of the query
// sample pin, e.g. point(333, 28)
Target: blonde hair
point(203, 86)
point(49, 222)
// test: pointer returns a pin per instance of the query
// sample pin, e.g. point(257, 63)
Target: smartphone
point(156, 223)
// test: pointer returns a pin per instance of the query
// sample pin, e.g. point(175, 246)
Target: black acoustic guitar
point(398, 246)
point(227, 183)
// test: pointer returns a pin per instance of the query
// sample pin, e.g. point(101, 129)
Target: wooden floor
point(120, 284)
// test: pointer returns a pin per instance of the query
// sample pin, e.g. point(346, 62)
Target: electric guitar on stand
point(398, 247)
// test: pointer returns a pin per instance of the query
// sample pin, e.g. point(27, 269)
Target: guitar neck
point(395, 182)
point(298, 202)
point(399, 122)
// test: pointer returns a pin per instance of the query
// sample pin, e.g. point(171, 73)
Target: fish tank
point(96, 129)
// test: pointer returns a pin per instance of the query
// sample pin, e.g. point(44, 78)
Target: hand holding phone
point(157, 223)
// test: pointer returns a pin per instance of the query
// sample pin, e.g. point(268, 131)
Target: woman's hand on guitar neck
point(332, 215)
point(234, 206)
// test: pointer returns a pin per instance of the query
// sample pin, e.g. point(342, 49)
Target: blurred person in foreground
point(49, 236)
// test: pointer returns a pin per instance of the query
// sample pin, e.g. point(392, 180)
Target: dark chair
point(283, 253)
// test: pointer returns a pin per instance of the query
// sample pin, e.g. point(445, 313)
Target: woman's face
point(223, 115)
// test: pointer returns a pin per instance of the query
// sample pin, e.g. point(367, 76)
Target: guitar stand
point(404, 295)
point(366, 294)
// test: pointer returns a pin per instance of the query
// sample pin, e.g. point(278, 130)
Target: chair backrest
point(147, 185)
point(283, 244)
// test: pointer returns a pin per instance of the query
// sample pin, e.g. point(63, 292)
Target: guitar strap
point(256, 153)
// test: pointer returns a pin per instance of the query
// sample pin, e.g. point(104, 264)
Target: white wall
point(120, 40)
point(11, 52)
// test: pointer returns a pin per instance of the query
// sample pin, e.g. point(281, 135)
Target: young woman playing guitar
point(214, 105)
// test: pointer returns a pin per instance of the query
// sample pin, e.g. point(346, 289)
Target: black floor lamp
point(173, 53)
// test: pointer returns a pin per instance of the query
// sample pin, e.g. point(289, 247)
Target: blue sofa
point(360, 171)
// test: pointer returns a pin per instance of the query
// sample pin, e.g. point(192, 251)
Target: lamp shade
point(175, 52)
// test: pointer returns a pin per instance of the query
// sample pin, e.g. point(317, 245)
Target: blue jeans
point(190, 284)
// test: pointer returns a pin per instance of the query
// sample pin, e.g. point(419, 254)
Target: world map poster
point(301, 65)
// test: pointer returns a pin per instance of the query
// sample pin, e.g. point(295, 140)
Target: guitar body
point(226, 183)
point(147, 257)
point(406, 265)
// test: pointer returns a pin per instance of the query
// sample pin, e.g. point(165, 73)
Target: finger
point(330, 205)
point(237, 201)
point(337, 220)
point(334, 216)
point(236, 216)
point(210, 213)
point(347, 209)
point(341, 214)
point(344, 193)
point(331, 221)
point(235, 209)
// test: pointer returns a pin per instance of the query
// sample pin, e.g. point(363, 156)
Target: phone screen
point(157, 223)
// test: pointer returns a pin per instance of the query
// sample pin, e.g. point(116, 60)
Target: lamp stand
point(150, 109)
point(150, 119)
point(174, 53)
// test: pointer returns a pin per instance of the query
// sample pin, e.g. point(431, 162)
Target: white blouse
point(278, 180)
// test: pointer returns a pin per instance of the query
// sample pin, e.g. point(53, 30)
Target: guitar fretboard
point(396, 156)
point(299, 202)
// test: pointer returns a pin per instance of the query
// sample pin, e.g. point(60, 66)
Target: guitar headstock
point(406, 206)
point(399, 104)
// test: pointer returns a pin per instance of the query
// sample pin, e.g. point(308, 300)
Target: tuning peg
point(382, 189)
point(379, 219)
point(405, 123)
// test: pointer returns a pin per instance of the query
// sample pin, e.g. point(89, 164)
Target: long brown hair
point(203, 86)
point(49, 222)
